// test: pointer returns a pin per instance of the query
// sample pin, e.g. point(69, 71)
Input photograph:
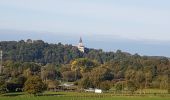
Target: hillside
point(41, 52)
point(93, 68)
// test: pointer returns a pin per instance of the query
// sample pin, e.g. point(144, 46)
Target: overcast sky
point(130, 22)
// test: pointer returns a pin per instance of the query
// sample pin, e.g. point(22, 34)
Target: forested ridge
point(93, 68)
point(41, 52)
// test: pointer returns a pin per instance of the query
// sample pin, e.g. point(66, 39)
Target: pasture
point(82, 96)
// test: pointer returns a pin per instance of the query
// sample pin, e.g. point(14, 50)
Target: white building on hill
point(80, 45)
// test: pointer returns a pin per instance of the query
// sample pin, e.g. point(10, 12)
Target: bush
point(131, 86)
point(106, 85)
point(119, 86)
point(3, 89)
point(34, 85)
point(85, 83)
point(3, 86)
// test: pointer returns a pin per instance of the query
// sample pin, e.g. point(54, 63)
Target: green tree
point(169, 82)
point(100, 74)
point(163, 81)
point(131, 86)
point(3, 86)
point(85, 83)
point(52, 85)
point(82, 65)
point(69, 76)
point(119, 86)
point(34, 85)
point(49, 72)
point(148, 79)
point(140, 80)
point(130, 75)
point(105, 85)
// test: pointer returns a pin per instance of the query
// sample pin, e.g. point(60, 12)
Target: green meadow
point(82, 96)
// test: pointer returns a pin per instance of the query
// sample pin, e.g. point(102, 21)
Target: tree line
point(37, 66)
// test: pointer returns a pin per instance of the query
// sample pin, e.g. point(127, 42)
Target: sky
point(135, 26)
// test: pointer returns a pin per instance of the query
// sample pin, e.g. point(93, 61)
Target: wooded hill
point(93, 68)
point(40, 52)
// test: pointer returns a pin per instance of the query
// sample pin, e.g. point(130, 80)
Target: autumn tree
point(34, 85)
point(105, 85)
point(139, 80)
point(86, 83)
point(52, 85)
point(100, 74)
point(82, 65)
point(119, 86)
point(49, 72)
point(169, 82)
point(148, 79)
point(131, 86)
point(69, 76)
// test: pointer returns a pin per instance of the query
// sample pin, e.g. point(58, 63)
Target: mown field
point(82, 96)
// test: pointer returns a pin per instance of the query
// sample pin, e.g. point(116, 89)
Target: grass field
point(80, 96)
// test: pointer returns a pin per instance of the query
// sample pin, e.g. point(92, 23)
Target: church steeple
point(80, 45)
point(80, 41)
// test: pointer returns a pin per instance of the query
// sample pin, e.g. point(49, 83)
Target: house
point(89, 90)
point(98, 91)
point(93, 90)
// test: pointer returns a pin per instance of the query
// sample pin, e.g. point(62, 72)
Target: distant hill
point(40, 52)
point(93, 68)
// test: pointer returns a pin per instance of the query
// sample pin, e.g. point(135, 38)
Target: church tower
point(80, 45)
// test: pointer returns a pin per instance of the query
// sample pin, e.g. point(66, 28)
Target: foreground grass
point(80, 96)
point(83, 98)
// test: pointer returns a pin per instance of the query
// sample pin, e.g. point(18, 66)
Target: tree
point(130, 75)
point(148, 78)
point(69, 76)
point(3, 86)
point(82, 65)
point(131, 86)
point(119, 86)
point(100, 74)
point(139, 80)
point(169, 82)
point(135, 79)
point(34, 85)
point(48, 72)
point(85, 83)
point(105, 85)
point(52, 85)
point(163, 81)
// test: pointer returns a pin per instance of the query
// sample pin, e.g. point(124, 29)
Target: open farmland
point(82, 96)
